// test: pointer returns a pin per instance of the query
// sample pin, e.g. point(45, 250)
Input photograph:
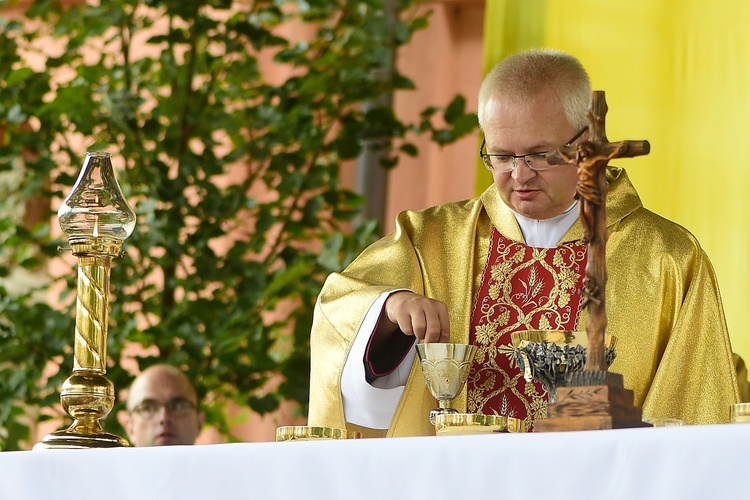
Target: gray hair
point(527, 74)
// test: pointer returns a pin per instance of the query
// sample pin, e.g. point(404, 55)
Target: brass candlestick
point(96, 218)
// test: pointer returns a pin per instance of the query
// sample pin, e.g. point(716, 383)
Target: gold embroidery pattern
point(522, 288)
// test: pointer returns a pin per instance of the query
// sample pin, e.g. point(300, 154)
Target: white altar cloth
point(690, 462)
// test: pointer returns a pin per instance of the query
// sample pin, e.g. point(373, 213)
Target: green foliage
point(234, 177)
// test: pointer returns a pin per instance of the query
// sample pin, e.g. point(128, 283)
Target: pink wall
point(443, 60)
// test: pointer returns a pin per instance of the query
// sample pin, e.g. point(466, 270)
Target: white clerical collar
point(547, 233)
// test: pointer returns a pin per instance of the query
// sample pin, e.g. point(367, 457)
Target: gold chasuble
point(663, 305)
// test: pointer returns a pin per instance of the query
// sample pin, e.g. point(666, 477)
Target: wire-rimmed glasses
point(178, 407)
point(535, 161)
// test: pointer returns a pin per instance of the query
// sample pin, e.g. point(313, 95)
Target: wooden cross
point(591, 158)
point(594, 398)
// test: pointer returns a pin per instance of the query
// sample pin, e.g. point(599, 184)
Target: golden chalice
point(549, 356)
point(445, 368)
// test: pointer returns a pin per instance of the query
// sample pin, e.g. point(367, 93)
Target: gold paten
point(305, 433)
point(476, 423)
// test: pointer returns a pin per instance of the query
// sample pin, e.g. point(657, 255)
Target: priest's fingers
point(425, 318)
point(438, 326)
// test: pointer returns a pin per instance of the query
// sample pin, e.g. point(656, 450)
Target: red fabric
point(522, 288)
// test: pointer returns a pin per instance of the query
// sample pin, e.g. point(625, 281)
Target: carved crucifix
point(591, 157)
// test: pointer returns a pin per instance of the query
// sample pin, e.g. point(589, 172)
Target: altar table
point(690, 462)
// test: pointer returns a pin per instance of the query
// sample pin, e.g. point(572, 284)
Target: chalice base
point(72, 438)
point(476, 423)
point(440, 411)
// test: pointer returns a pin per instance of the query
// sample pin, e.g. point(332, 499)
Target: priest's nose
point(522, 172)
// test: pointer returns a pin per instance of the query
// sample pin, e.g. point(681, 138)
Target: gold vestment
point(662, 300)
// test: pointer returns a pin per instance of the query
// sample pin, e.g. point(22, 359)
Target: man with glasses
point(514, 259)
point(163, 408)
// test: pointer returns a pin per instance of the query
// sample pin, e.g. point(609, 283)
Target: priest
point(514, 259)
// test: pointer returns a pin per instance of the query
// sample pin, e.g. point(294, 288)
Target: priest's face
point(537, 126)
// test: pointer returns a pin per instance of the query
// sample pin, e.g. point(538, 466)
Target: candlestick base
point(88, 397)
point(72, 439)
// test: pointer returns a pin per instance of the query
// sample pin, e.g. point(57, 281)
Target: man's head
point(163, 408)
point(533, 102)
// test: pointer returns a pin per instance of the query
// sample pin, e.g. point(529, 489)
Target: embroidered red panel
point(522, 288)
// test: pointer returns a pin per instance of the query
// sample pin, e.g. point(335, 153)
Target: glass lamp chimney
point(96, 207)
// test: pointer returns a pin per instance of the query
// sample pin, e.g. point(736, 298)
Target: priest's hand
point(414, 314)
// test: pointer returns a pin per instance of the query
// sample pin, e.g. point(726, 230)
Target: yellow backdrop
point(675, 72)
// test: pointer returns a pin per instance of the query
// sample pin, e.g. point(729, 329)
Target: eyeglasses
point(149, 408)
point(535, 161)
